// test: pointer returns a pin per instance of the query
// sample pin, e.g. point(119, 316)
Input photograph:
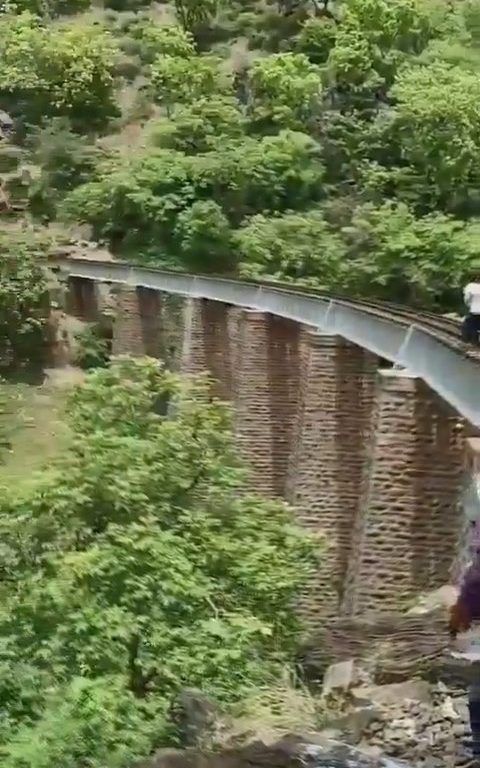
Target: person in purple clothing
point(464, 616)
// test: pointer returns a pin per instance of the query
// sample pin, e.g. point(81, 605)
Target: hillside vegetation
point(334, 145)
point(134, 566)
point(331, 145)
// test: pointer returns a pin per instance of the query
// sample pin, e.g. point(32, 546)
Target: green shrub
point(24, 303)
point(66, 160)
point(57, 70)
point(92, 348)
point(137, 565)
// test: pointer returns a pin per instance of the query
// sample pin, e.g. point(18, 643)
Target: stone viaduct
point(363, 417)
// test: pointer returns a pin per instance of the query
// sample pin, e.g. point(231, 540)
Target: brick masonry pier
point(368, 456)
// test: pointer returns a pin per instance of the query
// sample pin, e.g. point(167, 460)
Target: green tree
point(285, 90)
point(92, 348)
point(56, 70)
point(470, 11)
point(205, 237)
point(434, 132)
point(50, 8)
point(139, 566)
point(157, 39)
point(294, 247)
point(95, 722)
point(374, 38)
point(316, 39)
point(200, 126)
point(176, 79)
point(135, 204)
point(134, 200)
point(66, 160)
point(24, 303)
point(351, 65)
point(274, 173)
point(400, 26)
point(424, 261)
point(195, 13)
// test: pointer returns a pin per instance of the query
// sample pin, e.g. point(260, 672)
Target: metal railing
point(427, 345)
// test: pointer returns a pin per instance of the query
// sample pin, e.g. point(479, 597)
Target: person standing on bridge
point(471, 323)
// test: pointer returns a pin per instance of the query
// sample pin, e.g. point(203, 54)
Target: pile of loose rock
point(422, 723)
point(430, 726)
point(412, 724)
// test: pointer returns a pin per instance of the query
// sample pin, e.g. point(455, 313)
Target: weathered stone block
point(329, 457)
point(410, 519)
point(265, 380)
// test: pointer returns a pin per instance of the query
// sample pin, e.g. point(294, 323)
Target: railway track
point(445, 329)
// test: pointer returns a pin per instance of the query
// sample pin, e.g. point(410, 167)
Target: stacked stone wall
point(82, 299)
point(326, 467)
point(148, 322)
point(127, 329)
point(410, 518)
point(374, 462)
point(206, 347)
point(265, 376)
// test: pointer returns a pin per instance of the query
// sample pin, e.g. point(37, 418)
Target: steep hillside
point(335, 145)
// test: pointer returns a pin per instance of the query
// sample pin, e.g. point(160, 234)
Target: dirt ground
point(35, 424)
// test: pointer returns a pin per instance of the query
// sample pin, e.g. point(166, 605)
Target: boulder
point(194, 715)
point(448, 711)
point(335, 755)
point(413, 730)
point(442, 598)
point(354, 723)
point(339, 677)
point(395, 693)
point(6, 122)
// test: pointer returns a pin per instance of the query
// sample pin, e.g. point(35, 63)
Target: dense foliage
point(92, 347)
point(24, 303)
point(336, 145)
point(53, 70)
point(330, 144)
point(136, 566)
point(381, 98)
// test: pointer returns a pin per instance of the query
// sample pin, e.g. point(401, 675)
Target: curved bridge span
point(425, 344)
point(375, 456)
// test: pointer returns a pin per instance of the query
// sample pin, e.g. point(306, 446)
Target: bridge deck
point(427, 345)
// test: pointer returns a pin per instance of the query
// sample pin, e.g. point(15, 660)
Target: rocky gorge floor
point(414, 724)
point(417, 722)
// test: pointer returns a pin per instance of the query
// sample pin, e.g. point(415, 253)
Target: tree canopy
point(323, 113)
point(136, 565)
point(24, 302)
point(51, 70)
point(333, 145)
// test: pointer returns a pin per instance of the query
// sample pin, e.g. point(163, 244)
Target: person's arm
point(460, 612)
point(459, 618)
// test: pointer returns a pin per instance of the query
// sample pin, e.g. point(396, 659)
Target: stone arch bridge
point(363, 415)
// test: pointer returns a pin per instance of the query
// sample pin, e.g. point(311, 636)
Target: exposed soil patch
point(35, 423)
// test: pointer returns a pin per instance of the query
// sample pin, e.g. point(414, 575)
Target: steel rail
point(425, 344)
